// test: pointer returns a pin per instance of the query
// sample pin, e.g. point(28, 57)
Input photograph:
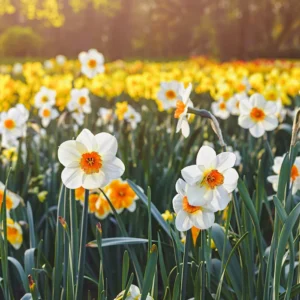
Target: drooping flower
point(12, 199)
point(258, 115)
point(188, 215)
point(133, 294)
point(181, 110)
point(169, 93)
point(211, 180)
point(14, 233)
point(294, 175)
point(92, 63)
point(90, 161)
point(47, 114)
point(44, 96)
point(80, 100)
point(121, 195)
point(220, 109)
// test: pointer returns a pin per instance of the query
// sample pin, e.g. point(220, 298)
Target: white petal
point(183, 222)
point(192, 174)
point(206, 157)
point(107, 143)
point(258, 100)
point(203, 219)
point(198, 195)
point(270, 122)
point(95, 180)
point(270, 108)
point(257, 130)
point(221, 198)
point(245, 107)
point(185, 128)
point(68, 153)
point(72, 177)
point(88, 140)
point(225, 161)
point(114, 169)
point(177, 203)
point(231, 177)
point(180, 187)
point(245, 121)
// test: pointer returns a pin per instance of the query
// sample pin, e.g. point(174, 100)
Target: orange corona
point(92, 63)
point(91, 162)
point(189, 208)
point(170, 94)
point(212, 179)
point(9, 124)
point(294, 173)
point(257, 114)
point(180, 107)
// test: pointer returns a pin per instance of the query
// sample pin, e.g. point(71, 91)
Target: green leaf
point(149, 272)
point(21, 272)
point(155, 212)
point(107, 242)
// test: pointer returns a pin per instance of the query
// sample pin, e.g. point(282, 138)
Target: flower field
point(149, 180)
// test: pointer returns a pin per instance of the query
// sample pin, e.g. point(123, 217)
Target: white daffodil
point(106, 115)
point(133, 294)
point(14, 233)
point(169, 93)
point(233, 103)
point(48, 65)
point(92, 63)
point(220, 109)
point(294, 176)
point(47, 114)
point(258, 115)
point(17, 69)
point(181, 110)
point(132, 116)
point(80, 100)
point(44, 96)
point(60, 59)
point(188, 215)
point(90, 161)
point(281, 111)
point(211, 180)
point(12, 199)
point(12, 123)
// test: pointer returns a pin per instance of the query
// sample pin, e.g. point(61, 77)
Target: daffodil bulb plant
point(149, 180)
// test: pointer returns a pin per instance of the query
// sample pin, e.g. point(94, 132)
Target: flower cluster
point(206, 189)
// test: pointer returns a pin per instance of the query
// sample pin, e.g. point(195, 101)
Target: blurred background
point(152, 29)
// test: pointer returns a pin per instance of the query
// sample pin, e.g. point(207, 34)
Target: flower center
point(179, 109)
point(170, 94)
point(46, 113)
point(294, 173)
point(92, 63)
point(257, 114)
point(9, 124)
point(237, 104)
point(212, 179)
point(91, 162)
point(189, 208)
point(82, 100)
point(44, 99)
point(222, 105)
